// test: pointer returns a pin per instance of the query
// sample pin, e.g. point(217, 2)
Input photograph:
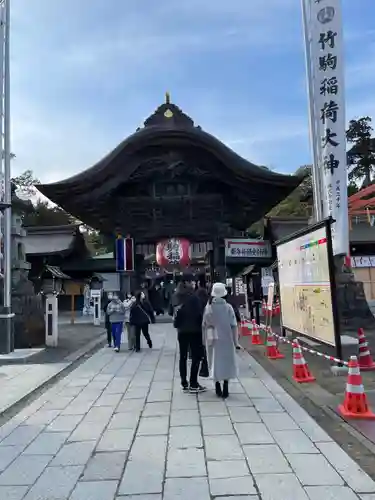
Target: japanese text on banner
point(326, 44)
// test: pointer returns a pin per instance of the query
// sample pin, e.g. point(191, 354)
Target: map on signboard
point(305, 286)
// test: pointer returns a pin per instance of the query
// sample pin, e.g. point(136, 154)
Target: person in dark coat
point(232, 301)
point(107, 323)
point(141, 316)
point(188, 316)
point(202, 295)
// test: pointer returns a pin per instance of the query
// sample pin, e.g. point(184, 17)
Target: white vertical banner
point(327, 103)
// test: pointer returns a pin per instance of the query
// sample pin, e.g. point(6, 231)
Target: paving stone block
point(105, 466)
point(314, 432)
point(266, 459)
point(88, 431)
point(253, 434)
point(294, 442)
point(279, 422)
point(136, 393)
point(255, 388)
point(185, 437)
point(143, 476)
point(330, 493)
point(64, 423)
point(314, 470)
point(8, 454)
point(25, 470)
point(226, 469)
point(184, 418)
point(130, 405)
point(355, 477)
point(77, 408)
point(22, 435)
point(239, 400)
point(95, 490)
point(153, 447)
point(267, 405)
point(184, 402)
point(108, 400)
point(99, 414)
point(140, 497)
point(74, 454)
point(149, 426)
point(12, 492)
point(42, 417)
point(158, 396)
point(213, 426)
point(124, 420)
point(157, 409)
point(58, 403)
point(223, 448)
point(47, 443)
point(56, 483)
point(213, 409)
point(116, 440)
point(186, 463)
point(186, 489)
point(280, 487)
point(232, 486)
point(240, 414)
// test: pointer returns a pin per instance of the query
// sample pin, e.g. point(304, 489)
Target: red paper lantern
point(173, 252)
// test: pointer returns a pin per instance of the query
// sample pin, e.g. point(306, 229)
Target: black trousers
point(192, 342)
point(108, 327)
point(138, 329)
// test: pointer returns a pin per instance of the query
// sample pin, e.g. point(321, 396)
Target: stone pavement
point(21, 380)
point(118, 427)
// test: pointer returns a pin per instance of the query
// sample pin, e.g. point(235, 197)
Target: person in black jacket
point(188, 316)
point(141, 315)
point(232, 301)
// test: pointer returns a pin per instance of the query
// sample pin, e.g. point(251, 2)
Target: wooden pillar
point(72, 308)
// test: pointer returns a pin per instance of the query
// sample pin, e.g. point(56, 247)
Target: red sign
point(173, 252)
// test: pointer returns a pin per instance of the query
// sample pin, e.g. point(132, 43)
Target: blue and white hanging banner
point(124, 254)
point(326, 60)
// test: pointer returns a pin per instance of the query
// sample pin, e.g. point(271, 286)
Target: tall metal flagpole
point(6, 317)
point(316, 177)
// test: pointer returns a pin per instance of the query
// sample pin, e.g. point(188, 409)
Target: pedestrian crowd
point(207, 327)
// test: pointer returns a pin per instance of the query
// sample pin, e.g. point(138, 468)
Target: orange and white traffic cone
point(301, 371)
point(272, 350)
point(246, 328)
point(366, 363)
point(255, 339)
point(355, 401)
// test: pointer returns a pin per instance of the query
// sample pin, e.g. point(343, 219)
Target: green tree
point(361, 155)
point(97, 242)
point(25, 184)
point(294, 205)
point(43, 214)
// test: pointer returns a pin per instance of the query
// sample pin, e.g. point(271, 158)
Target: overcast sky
point(86, 73)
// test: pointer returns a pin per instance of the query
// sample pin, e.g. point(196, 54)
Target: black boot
point(225, 389)
point(218, 390)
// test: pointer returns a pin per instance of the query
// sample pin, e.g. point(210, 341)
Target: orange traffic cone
point(355, 401)
point(365, 360)
point(301, 372)
point(246, 328)
point(272, 350)
point(255, 340)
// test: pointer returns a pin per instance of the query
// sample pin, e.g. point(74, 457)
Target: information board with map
point(305, 286)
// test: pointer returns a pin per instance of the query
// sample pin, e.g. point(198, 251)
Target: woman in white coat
point(220, 336)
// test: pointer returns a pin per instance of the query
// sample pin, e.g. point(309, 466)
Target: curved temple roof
point(167, 126)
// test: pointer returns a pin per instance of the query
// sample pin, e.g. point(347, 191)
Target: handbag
point(204, 372)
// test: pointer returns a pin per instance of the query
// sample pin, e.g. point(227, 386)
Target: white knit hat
point(218, 290)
